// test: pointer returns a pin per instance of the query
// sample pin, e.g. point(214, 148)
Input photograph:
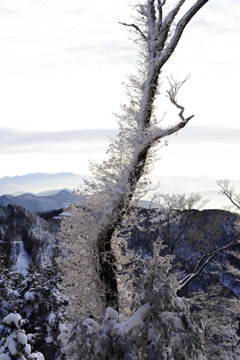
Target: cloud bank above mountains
point(12, 141)
point(195, 151)
point(62, 66)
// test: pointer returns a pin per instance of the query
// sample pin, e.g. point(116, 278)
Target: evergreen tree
point(36, 298)
point(15, 345)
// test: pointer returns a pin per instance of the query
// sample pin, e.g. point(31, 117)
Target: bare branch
point(135, 27)
point(229, 192)
point(175, 85)
point(172, 93)
point(205, 259)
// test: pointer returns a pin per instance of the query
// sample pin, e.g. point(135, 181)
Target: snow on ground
point(22, 262)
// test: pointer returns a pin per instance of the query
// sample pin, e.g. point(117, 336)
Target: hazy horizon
point(62, 67)
point(40, 182)
point(195, 151)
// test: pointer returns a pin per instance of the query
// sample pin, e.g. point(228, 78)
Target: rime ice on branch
point(122, 178)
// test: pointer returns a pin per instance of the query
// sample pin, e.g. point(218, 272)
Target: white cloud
point(195, 151)
point(71, 141)
point(62, 64)
point(22, 152)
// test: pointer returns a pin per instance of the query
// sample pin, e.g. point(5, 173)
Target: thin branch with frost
point(205, 259)
point(229, 192)
point(175, 85)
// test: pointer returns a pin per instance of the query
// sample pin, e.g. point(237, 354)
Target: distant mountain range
point(39, 182)
point(46, 185)
point(38, 204)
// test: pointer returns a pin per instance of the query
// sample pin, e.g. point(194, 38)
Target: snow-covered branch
point(169, 49)
point(205, 259)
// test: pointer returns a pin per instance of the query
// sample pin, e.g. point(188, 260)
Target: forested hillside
point(31, 302)
point(34, 303)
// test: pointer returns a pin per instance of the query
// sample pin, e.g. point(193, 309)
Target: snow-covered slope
point(23, 235)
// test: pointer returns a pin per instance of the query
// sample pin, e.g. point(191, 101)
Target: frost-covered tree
point(230, 192)
point(160, 325)
point(192, 236)
point(42, 304)
point(121, 179)
point(195, 238)
point(217, 313)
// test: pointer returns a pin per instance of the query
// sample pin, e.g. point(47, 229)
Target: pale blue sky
point(62, 64)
